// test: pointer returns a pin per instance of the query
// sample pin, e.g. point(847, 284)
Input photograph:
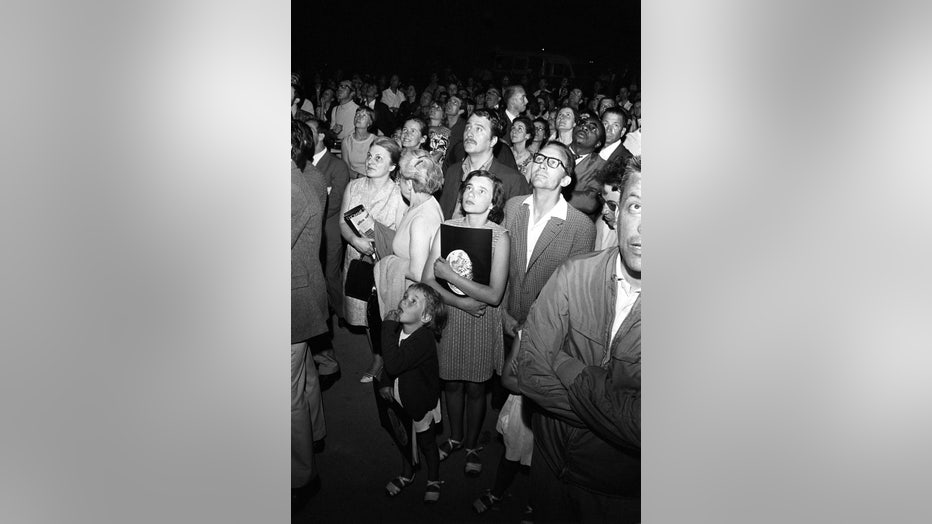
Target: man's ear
point(493, 141)
point(565, 181)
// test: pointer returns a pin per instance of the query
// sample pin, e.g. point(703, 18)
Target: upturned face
point(477, 197)
point(477, 137)
point(518, 133)
point(614, 126)
point(413, 306)
point(548, 168)
point(378, 162)
point(565, 119)
point(588, 134)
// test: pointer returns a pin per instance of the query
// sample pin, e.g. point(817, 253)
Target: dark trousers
point(554, 500)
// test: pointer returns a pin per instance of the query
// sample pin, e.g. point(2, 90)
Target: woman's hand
point(443, 270)
point(366, 246)
point(473, 307)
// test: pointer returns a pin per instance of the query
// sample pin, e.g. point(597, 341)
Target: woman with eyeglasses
point(355, 147)
point(382, 199)
point(472, 347)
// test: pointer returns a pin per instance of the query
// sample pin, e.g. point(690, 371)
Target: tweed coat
point(559, 241)
point(308, 291)
point(336, 176)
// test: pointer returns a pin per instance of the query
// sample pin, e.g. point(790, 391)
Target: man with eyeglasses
point(343, 112)
point(588, 137)
point(545, 232)
point(610, 176)
point(580, 362)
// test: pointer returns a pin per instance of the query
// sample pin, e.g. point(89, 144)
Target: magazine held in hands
point(469, 252)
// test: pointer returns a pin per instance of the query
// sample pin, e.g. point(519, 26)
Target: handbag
point(360, 279)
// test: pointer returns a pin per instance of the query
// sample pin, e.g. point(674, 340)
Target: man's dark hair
point(302, 143)
point(495, 120)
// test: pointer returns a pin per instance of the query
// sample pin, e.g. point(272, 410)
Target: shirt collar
point(559, 210)
point(607, 151)
point(316, 159)
point(619, 277)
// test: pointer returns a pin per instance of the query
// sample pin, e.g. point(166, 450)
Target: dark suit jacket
point(384, 119)
point(583, 193)
point(514, 184)
point(308, 290)
point(559, 241)
point(620, 154)
point(336, 176)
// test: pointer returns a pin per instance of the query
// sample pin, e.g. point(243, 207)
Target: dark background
point(417, 38)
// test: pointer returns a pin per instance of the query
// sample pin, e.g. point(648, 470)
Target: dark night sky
point(431, 35)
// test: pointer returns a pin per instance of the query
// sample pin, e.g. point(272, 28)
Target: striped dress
point(472, 348)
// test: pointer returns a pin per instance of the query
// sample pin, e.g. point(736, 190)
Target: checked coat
point(559, 241)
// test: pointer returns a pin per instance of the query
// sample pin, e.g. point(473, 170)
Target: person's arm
point(411, 353)
point(585, 200)
point(345, 151)
point(418, 248)
point(490, 294)
point(542, 339)
point(609, 402)
point(365, 246)
point(510, 369)
point(341, 177)
point(300, 212)
point(467, 304)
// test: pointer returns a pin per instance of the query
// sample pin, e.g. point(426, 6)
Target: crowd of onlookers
point(384, 174)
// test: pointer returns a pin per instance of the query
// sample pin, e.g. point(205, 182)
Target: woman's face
point(519, 133)
point(411, 136)
point(477, 197)
point(539, 131)
point(426, 98)
point(362, 119)
point(410, 93)
point(326, 96)
point(565, 119)
point(378, 162)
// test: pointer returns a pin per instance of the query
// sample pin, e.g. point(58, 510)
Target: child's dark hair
point(433, 306)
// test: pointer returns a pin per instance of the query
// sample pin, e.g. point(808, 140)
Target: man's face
point(344, 91)
point(371, 91)
point(606, 103)
point(614, 126)
point(575, 96)
point(588, 134)
point(547, 176)
point(629, 226)
point(394, 82)
point(610, 196)
point(477, 137)
point(453, 106)
point(519, 100)
point(492, 97)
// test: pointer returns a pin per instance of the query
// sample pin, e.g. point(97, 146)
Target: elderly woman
point(381, 197)
point(419, 177)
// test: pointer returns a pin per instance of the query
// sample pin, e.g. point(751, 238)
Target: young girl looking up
point(409, 349)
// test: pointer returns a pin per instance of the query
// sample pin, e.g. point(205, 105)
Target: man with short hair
point(615, 121)
point(384, 124)
point(515, 104)
point(392, 96)
point(336, 175)
point(481, 134)
point(580, 362)
point(343, 112)
point(588, 137)
point(492, 98)
point(455, 111)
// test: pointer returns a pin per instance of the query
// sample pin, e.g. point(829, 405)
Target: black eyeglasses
point(551, 161)
point(612, 205)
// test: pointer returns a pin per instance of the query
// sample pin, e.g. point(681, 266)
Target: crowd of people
point(552, 179)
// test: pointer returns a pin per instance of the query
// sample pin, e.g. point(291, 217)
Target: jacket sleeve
point(411, 353)
point(584, 242)
point(609, 402)
point(542, 339)
point(300, 211)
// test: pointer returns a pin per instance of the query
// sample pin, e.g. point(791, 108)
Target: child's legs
point(504, 475)
point(453, 391)
point(475, 412)
point(427, 442)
